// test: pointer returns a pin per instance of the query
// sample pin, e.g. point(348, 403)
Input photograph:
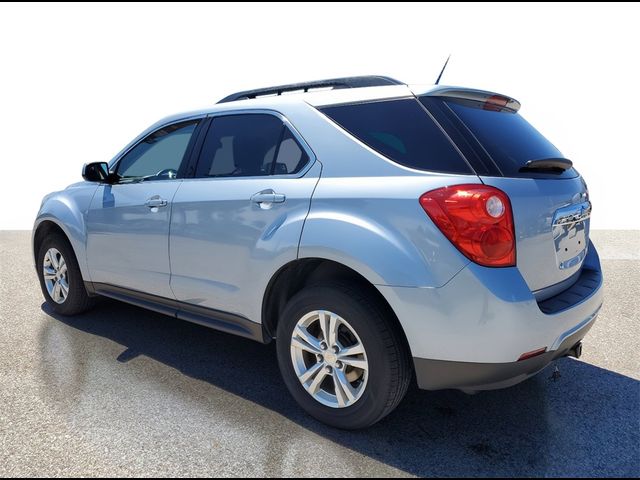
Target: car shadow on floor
point(584, 424)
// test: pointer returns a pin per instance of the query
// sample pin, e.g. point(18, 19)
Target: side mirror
point(96, 172)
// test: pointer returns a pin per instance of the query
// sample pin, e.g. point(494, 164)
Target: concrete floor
point(122, 391)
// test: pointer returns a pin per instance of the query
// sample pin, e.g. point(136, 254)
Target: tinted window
point(240, 146)
point(158, 156)
point(507, 137)
point(291, 157)
point(402, 131)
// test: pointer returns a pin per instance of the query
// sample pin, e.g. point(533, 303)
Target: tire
point(388, 371)
point(76, 300)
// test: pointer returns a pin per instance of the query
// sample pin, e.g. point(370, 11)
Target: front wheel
point(341, 356)
point(60, 277)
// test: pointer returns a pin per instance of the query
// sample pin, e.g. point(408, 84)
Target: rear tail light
point(477, 219)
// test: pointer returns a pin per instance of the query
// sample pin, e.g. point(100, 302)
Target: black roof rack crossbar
point(336, 83)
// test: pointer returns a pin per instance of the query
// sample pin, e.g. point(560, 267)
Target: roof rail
point(336, 83)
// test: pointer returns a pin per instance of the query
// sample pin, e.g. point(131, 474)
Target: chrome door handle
point(268, 197)
point(155, 202)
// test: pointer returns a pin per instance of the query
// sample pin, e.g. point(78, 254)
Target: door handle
point(268, 197)
point(155, 202)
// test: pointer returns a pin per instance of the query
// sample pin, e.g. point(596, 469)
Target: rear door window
point(402, 131)
point(249, 145)
point(508, 139)
point(240, 146)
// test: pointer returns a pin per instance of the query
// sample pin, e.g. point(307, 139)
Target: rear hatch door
point(549, 199)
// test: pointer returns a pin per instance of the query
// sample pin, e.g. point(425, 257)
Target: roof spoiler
point(491, 100)
point(335, 83)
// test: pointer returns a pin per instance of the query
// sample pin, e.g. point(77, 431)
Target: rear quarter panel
point(376, 226)
point(365, 212)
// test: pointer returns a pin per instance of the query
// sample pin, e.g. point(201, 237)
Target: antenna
point(442, 71)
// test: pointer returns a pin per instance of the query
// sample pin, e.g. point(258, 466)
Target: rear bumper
point(442, 374)
point(470, 333)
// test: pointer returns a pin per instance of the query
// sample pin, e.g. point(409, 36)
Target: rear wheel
point(60, 278)
point(341, 357)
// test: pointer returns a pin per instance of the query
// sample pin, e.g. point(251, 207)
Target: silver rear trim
point(572, 214)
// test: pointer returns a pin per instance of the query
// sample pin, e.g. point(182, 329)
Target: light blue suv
point(378, 231)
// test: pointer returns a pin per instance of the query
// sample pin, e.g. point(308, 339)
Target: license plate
point(570, 234)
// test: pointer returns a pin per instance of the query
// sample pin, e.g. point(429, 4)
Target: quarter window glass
point(240, 146)
point(291, 156)
point(158, 156)
point(402, 131)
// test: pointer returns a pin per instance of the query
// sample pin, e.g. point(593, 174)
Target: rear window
point(402, 131)
point(507, 137)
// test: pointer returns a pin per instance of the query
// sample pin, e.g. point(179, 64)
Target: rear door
point(550, 201)
point(241, 217)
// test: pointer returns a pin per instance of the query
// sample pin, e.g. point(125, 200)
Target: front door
point(128, 221)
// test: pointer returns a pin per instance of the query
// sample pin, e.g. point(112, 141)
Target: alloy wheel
point(55, 275)
point(329, 359)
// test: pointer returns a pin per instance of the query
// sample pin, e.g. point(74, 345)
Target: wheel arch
point(67, 211)
point(49, 225)
point(300, 273)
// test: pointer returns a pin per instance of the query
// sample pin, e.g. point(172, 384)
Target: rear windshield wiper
point(548, 164)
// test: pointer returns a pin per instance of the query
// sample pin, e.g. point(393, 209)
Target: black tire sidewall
point(77, 299)
point(361, 316)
